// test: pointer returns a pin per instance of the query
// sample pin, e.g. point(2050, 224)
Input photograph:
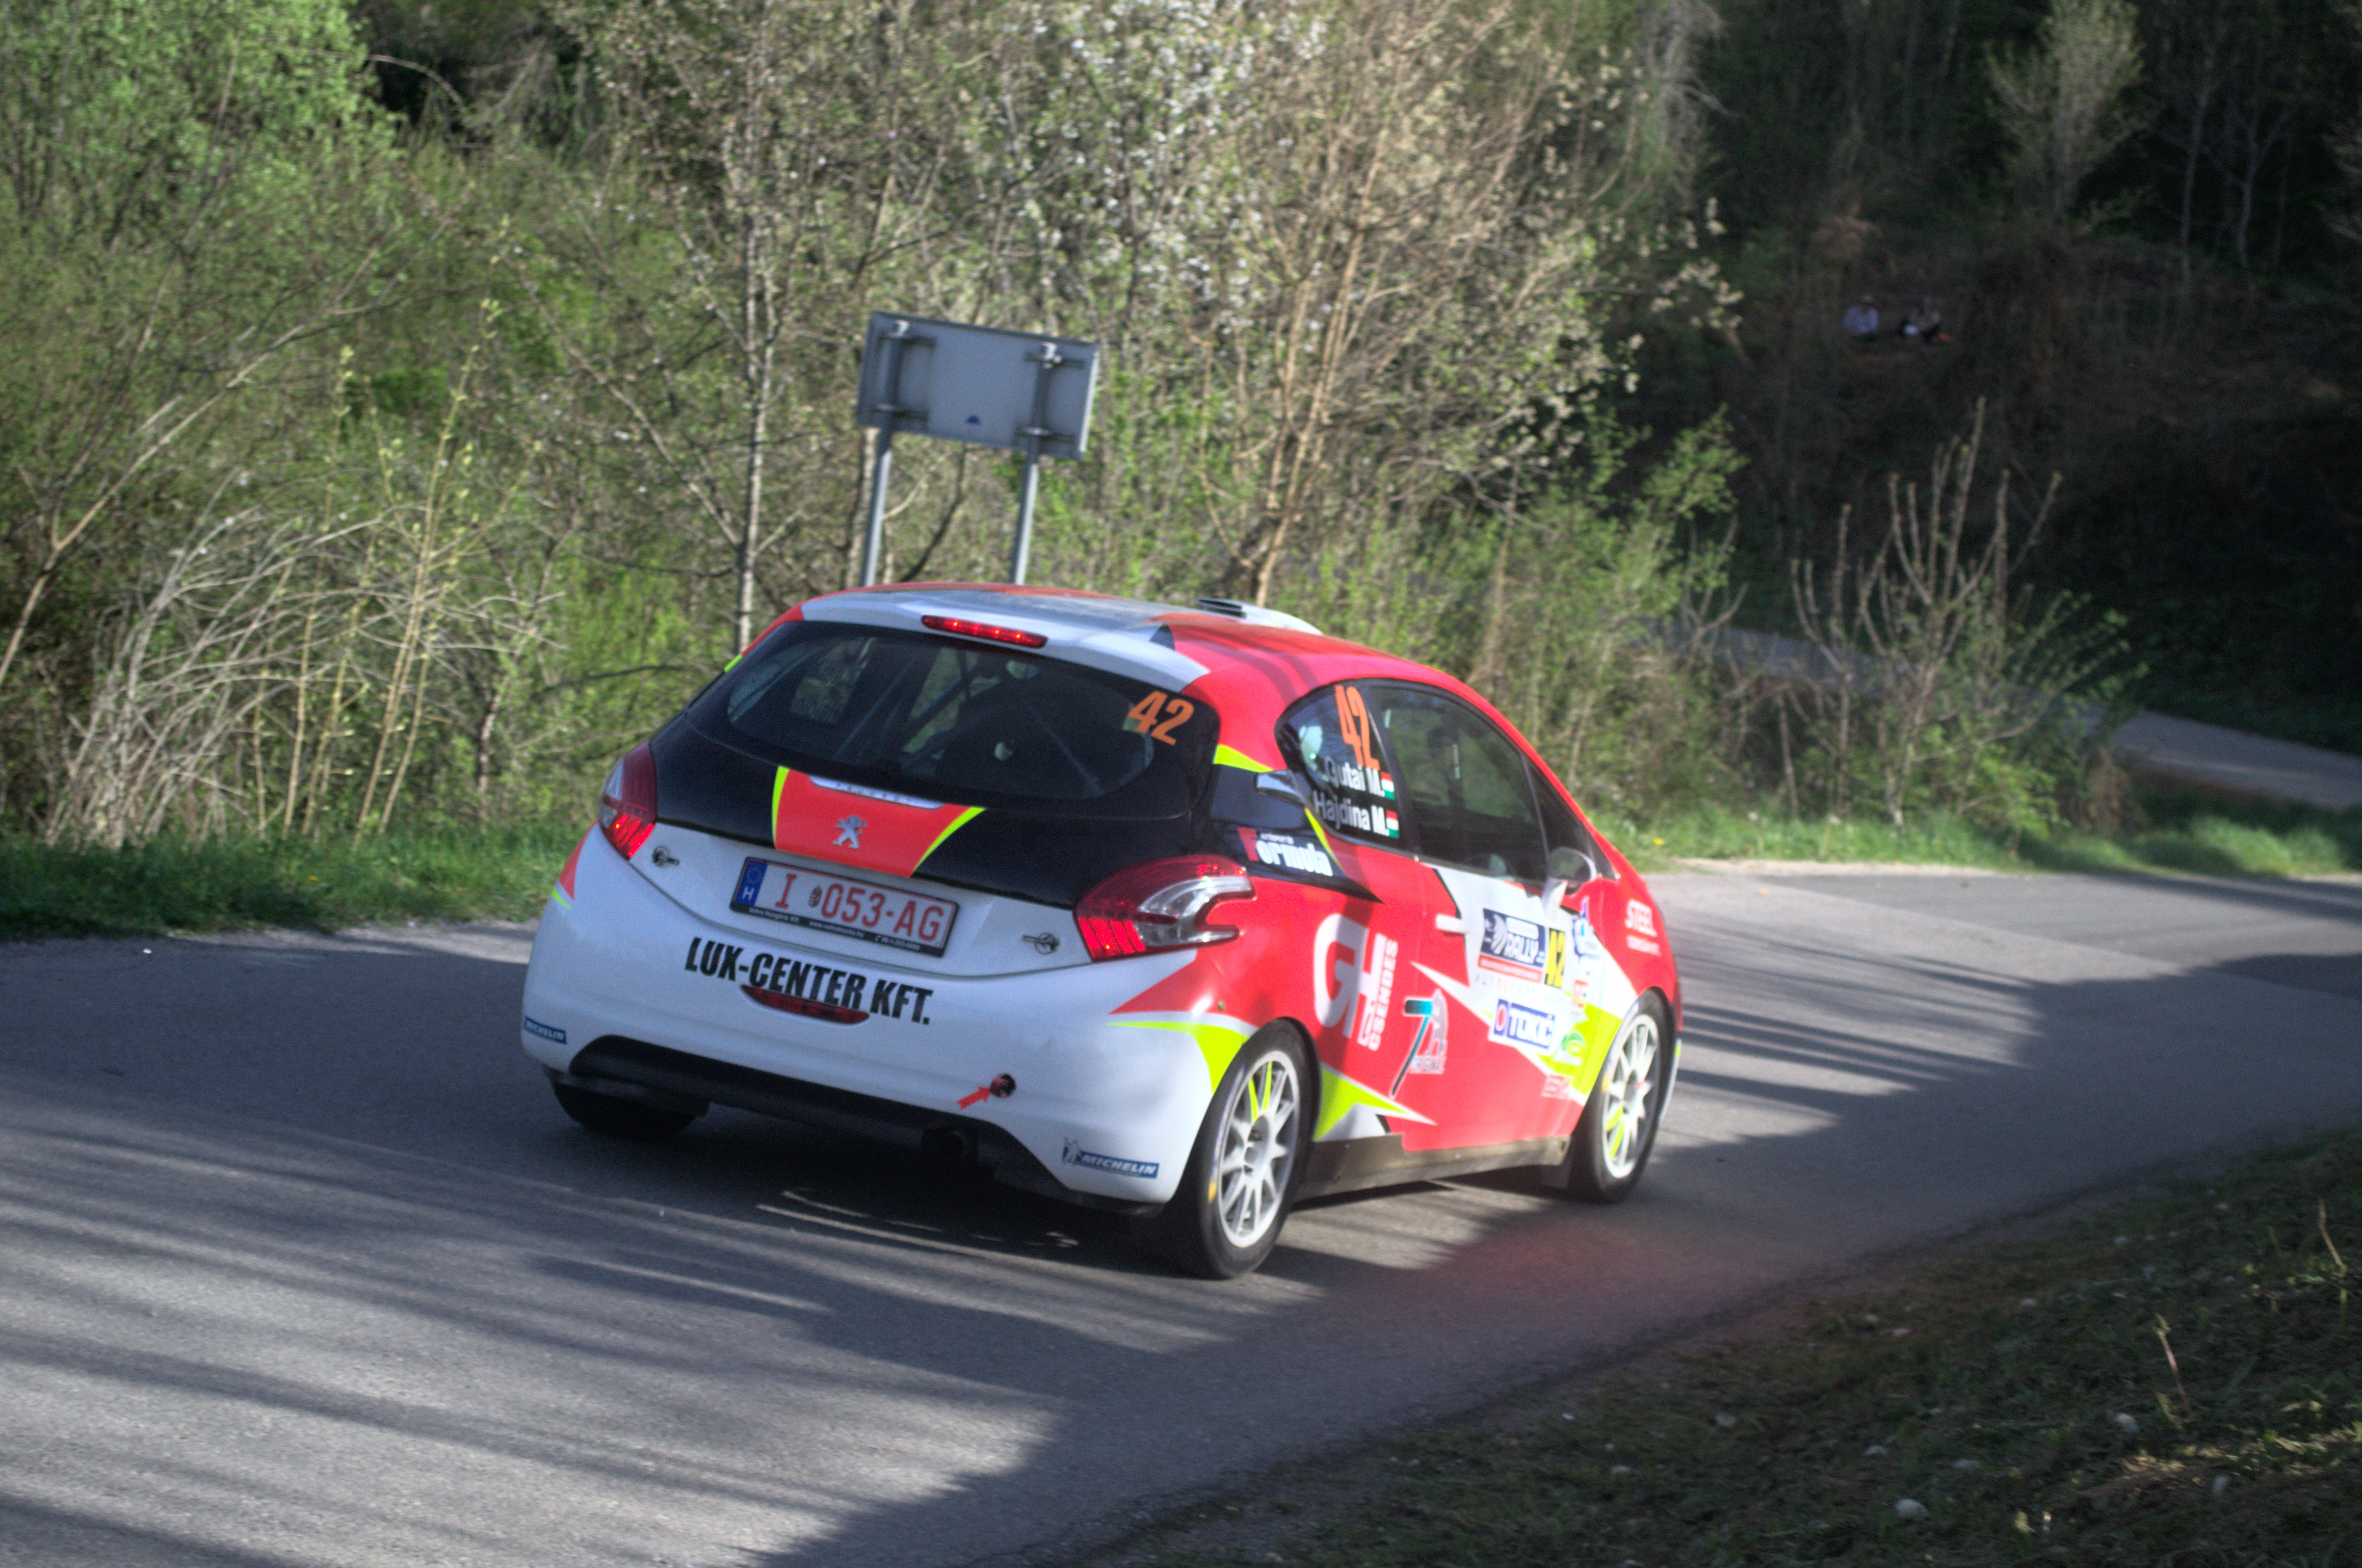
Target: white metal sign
point(1021, 391)
point(977, 385)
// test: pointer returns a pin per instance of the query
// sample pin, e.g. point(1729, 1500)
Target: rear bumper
point(1101, 1112)
point(675, 1080)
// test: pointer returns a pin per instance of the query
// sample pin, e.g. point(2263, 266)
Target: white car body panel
point(1087, 1096)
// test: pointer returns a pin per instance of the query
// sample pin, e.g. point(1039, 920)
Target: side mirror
point(1567, 868)
point(1276, 801)
point(1287, 786)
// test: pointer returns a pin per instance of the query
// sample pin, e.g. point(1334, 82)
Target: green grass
point(467, 873)
point(451, 873)
point(2175, 832)
point(2176, 1381)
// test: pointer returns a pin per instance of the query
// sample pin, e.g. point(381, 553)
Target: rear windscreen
point(954, 720)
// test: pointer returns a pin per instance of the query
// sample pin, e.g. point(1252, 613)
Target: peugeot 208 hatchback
point(1188, 913)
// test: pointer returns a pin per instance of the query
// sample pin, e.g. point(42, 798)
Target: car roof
point(1135, 635)
point(1250, 670)
point(1244, 666)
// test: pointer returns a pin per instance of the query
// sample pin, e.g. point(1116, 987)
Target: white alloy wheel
point(1619, 1126)
point(1242, 1171)
point(1258, 1148)
point(1629, 1082)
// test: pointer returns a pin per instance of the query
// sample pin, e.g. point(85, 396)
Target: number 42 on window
point(1157, 716)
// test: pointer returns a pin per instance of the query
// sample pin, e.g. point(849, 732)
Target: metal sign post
point(1020, 391)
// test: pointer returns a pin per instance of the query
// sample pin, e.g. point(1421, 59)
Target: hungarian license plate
point(840, 904)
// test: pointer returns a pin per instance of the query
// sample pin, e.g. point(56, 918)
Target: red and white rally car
point(1184, 913)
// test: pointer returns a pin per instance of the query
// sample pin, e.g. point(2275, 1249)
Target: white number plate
point(840, 904)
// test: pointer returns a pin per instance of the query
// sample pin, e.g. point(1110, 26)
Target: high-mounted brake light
point(1159, 904)
point(627, 804)
point(960, 628)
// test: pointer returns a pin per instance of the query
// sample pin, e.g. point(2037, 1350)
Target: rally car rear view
point(1187, 913)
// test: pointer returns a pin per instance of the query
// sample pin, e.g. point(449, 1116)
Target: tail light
point(1159, 904)
point(957, 627)
point(627, 803)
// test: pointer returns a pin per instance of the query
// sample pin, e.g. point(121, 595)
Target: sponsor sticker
point(1639, 917)
point(1076, 1155)
point(1512, 946)
point(1290, 852)
point(1514, 1023)
point(821, 983)
point(1377, 990)
point(547, 1031)
point(1429, 1046)
point(1555, 1087)
point(1641, 943)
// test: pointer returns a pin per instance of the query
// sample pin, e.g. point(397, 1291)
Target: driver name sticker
point(1350, 814)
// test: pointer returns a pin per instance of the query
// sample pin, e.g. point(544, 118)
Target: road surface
point(300, 1265)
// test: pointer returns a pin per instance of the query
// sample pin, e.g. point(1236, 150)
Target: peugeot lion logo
point(848, 832)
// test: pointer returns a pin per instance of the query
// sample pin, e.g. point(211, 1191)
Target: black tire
point(1611, 1142)
point(620, 1117)
point(1246, 1165)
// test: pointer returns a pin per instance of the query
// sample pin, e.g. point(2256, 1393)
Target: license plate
point(840, 904)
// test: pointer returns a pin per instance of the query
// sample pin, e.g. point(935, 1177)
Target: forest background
point(404, 405)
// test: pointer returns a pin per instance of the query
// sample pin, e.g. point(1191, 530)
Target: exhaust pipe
point(956, 1144)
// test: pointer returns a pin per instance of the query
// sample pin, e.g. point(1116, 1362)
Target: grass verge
point(2173, 833)
point(2178, 1380)
point(235, 883)
point(468, 873)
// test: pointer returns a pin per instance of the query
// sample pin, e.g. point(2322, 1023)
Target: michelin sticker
point(547, 1031)
point(1076, 1155)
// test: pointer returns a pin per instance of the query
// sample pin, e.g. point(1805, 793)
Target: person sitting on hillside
point(1923, 323)
point(1861, 320)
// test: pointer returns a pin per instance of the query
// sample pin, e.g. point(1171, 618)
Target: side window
point(1467, 783)
point(1339, 752)
point(1561, 829)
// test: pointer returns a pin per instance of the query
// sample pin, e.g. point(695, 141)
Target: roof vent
point(1255, 614)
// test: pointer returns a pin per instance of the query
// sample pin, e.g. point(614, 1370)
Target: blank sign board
point(979, 384)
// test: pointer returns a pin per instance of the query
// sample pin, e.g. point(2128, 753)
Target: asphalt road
point(299, 1262)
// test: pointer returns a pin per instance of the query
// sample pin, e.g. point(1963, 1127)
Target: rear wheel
point(620, 1117)
point(1611, 1142)
point(1244, 1169)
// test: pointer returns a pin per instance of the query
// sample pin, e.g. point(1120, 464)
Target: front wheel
point(1244, 1170)
point(1611, 1142)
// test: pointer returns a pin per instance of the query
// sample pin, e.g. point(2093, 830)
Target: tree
point(181, 187)
point(2062, 103)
